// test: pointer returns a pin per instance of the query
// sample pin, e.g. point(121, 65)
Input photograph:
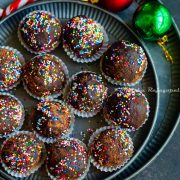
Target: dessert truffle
point(110, 148)
point(83, 36)
point(124, 63)
point(22, 154)
point(45, 76)
point(39, 31)
point(11, 114)
point(51, 120)
point(67, 159)
point(126, 107)
point(10, 67)
point(86, 93)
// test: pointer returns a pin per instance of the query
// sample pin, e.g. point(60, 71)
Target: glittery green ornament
point(152, 20)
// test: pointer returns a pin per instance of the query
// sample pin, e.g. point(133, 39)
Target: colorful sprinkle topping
point(124, 61)
point(127, 107)
point(10, 68)
point(11, 114)
point(67, 159)
point(83, 35)
point(112, 147)
point(40, 31)
point(44, 75)
point(87, 92)
point(22, 153)
point(51, 119)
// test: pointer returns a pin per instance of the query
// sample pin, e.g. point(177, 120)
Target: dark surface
point(167, 165)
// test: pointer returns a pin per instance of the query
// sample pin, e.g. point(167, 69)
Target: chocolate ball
point(126, 107)
point(83, 36)
point(11, 114)
point(52, 119)
point(124, 63)
point(40, 31)
point(67, 159)
point(22, 154)
point(86, 93)
point(111, 148)
point(10, 68)
point(45, 76)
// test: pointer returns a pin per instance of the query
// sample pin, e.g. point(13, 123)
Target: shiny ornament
point(115, 5)
point(152, 20)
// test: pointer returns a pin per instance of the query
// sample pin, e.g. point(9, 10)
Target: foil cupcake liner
point(145, 120)
point(120, 83)
point(75, 111)
point(88, 165)
point(22, 118)
point(17, 174)
point(94, 162)
point(22, 61)
point(21, 39)
point(52, 140)
point(95, 57)
point(55, 95)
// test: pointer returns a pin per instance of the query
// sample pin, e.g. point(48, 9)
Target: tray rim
point(147, 51)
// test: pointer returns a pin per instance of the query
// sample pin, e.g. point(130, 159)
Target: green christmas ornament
point(152, 20)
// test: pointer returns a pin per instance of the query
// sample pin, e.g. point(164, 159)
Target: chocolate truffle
point(52, 119)
point(45, 76)
point(126, 107)
point(10, 68)
point(86, 93)
point(124, 63)
point(22, 154)
point(67, 159)
point(40, 31)
point(11, 114)
point(83, 36)
point(110, 148)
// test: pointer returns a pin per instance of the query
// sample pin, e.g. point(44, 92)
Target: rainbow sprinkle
point(10, 68)
point(67, 159)
point(87, 92)
point(44, 75)
point(124, 62)
point(111, 147)
point(40, 31)
point(83, 36)
point(119, 108)
point(11, 114)
point(22, 153)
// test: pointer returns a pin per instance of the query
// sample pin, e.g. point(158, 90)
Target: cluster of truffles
point(45, 77)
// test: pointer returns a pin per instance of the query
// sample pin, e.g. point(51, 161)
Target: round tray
point(116, 30)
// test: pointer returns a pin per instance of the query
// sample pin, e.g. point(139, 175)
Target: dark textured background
point(167, 164)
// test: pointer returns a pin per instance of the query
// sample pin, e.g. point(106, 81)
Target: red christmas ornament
point(115, 5)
